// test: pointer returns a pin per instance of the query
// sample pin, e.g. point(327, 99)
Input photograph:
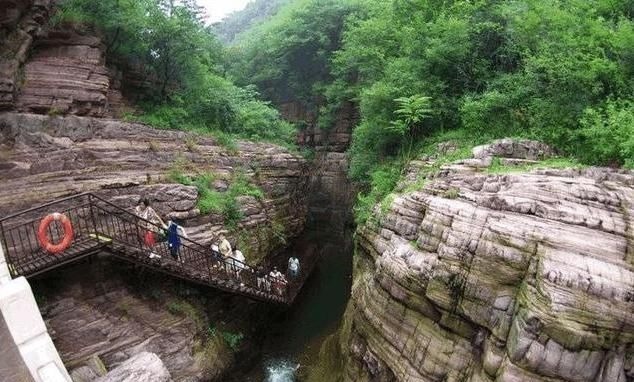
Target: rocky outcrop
point(21, 22)
point(331, 192)
point(497, 277)
point(66, 74)
point(45, 158)
point(54, 69)
point(104, 313)
point(143, 367)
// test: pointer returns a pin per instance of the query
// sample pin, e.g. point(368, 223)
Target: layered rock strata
point(497, 277)
point(331, 192)
point(103, 314)
point(44, 158)
point(54, 69)
point(20, 23)
point(66, 74)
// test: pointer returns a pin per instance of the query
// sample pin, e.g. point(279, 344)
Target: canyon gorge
point(499, 267)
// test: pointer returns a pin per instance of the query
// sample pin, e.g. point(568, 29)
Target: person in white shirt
point(145, 211)
point(149, 236)
point(293, 267)
point(238, 263)
point(224, 247)
point(278, 281)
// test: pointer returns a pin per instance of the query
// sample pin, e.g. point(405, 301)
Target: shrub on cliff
point(182, 61)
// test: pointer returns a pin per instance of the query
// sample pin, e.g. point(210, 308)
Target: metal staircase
point(101, 226)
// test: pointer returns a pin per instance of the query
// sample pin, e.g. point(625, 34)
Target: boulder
point(143, 367)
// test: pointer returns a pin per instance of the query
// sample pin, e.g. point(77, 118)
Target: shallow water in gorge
point(292, 344)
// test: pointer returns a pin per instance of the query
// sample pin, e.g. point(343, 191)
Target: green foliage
point(232, 339)
point(254, 13)
point(554, 70)
point(498, 167)
point(410, 113)
point(383, 181)
point(452, 193)
point(183, 63)
point(176, 175)
point(278, 230)
point(213, 201)
point(289, 56)
point(607, 134)
point(185, 309)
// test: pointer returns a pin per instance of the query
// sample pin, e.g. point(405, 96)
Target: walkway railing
point(100, 225)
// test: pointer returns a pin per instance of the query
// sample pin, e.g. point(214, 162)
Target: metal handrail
point(199, 251)
point(231, 263)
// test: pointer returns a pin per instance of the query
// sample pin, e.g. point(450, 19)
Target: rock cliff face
point(331, 194)
point(55, 93)
point(45, 158)
point(112, 311)
point(507, 278)
point(20, 23)
point(54, 69)
point(66, 74)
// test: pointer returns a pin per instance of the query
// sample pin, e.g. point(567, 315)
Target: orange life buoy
point(42, 235)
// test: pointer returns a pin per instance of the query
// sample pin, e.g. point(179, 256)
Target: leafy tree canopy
point(168, 42)
point(555, 70)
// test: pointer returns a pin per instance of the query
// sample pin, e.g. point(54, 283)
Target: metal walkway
point(101, 226)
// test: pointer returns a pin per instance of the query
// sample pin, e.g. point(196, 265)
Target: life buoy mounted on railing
point(42, 235)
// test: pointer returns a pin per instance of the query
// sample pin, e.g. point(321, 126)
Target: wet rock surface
point(498, 277)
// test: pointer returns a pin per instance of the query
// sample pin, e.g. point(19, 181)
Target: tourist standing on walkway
point(293, 267)
point(145, 211)
point(278, 281)
point(174, 234)
point(263, 283)
point(224, 247)
point(238, 263)
point(216, 256)
point(225, 250)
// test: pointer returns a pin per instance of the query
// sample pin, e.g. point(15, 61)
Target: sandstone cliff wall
point(331, 193)
point(43, 158)
point(506, 278)
point(56, 69)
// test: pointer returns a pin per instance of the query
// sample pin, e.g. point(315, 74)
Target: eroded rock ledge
point(512, 277)
point(43, 158)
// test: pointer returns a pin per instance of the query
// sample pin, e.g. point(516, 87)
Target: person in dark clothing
point(174, 234)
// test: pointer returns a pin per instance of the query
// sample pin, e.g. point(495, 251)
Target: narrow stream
point(293, 342)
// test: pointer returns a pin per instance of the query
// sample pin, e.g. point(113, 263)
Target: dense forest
point(420, 71)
